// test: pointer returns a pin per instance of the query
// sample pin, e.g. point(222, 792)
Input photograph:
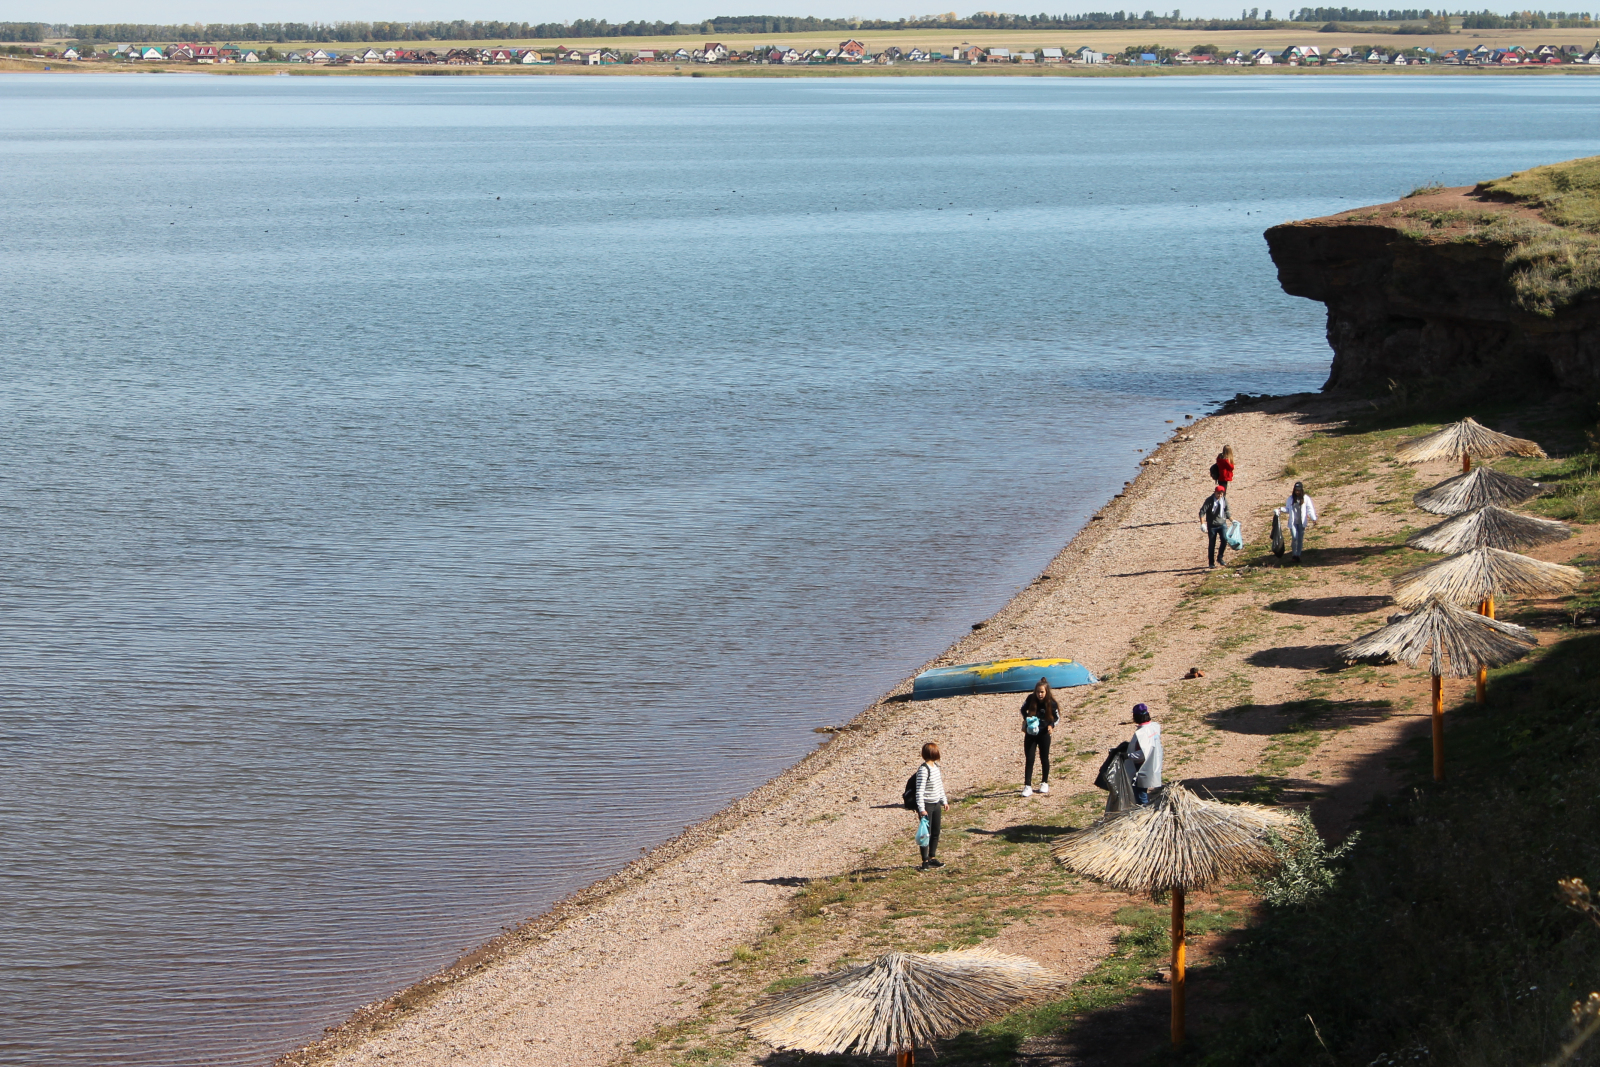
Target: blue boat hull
point(999, 676)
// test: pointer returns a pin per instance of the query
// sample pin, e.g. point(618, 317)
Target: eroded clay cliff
point(1429, 291)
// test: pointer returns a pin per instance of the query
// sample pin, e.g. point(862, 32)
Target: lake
point(422, 494)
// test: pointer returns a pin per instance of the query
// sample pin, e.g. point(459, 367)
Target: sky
point(183, 11)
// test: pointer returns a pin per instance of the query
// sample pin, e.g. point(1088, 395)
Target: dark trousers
point(1030, 742)
point(934, 811)
point(1216, 545)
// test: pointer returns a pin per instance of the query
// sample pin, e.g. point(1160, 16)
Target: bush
point(1304, 873)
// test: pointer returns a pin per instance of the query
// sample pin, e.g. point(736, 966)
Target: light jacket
point(1217, 516)
point(1307, 517)
point(1144, 756)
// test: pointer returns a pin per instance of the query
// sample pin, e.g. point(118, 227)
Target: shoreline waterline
point(542, 935)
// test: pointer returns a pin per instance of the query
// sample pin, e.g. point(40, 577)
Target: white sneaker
point(1044, 789)
point(1027, 790)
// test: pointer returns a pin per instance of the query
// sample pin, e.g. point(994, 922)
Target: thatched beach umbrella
point(897, 1002)
point(1180, 842)
point(1489, 527)
point(1482, 486)
point(1464, 440)
point(1481, 575)
point(1456, 640)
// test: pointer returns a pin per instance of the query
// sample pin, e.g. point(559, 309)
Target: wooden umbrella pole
point(1466, 462)
point(1438, 728)
point(1485, 607)
point(907, 1057)
point(1180, 968)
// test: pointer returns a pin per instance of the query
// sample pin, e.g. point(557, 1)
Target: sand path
point(575, 987)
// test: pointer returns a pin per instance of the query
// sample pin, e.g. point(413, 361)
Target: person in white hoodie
point(1300, 512)
point(1144, 755)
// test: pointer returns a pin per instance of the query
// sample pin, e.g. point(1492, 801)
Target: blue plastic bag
point(1235, 536)
point(922, 832)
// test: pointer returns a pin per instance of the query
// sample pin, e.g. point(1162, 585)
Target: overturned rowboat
point(999, 676)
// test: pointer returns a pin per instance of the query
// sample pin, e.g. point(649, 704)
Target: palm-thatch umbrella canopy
point(1180, 842)
point(1458, 642)
point(1463, 440)
point(898, 1001)
point(1483, 573)
point(1489, 527)
point(1473, 490)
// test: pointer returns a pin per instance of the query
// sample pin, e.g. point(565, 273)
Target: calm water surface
point(421, 494)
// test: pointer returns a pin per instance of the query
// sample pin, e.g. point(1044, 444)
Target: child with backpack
point(925, 795)
point(1222, 469)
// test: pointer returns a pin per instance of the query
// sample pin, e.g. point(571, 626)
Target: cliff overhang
point(1486, 288)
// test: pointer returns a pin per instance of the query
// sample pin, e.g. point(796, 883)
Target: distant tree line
point(480, 30)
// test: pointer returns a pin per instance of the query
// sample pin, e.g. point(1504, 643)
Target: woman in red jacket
point(1224, 468)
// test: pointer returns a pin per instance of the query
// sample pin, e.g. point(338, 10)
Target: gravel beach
point(603, 968)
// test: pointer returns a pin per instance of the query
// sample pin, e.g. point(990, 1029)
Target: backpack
point(909, 797)
point(1216, 474)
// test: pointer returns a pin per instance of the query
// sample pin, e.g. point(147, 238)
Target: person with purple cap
point(1144, 754)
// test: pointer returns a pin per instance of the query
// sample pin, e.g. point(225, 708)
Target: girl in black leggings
point(1040, 713)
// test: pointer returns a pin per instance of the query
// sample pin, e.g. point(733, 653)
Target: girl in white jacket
point(1301, 513)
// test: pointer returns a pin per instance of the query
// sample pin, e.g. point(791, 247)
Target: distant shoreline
point(10, 65)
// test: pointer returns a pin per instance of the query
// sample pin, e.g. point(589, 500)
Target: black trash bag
point(1120, 796)
point(1106, 779)
point(1277, 534)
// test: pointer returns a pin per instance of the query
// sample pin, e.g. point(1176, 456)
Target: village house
point(998, 55)
point(713, 52)
point(917, 55)
point(1051, 55)
point(149, 54)
point(1089, 55)
point(205, 53)
point(70, 54)
point(249, 56)
point(851, 51)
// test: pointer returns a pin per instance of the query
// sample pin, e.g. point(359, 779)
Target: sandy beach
point(608, 965)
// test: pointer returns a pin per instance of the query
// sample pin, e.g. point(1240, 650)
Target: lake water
point(420, 494)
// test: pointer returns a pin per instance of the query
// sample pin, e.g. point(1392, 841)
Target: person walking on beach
point(1300, 512)
point(1222, 469)
point(1040, 713)
point(931, 801)
point(1144, 754)
point(1215, 516)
